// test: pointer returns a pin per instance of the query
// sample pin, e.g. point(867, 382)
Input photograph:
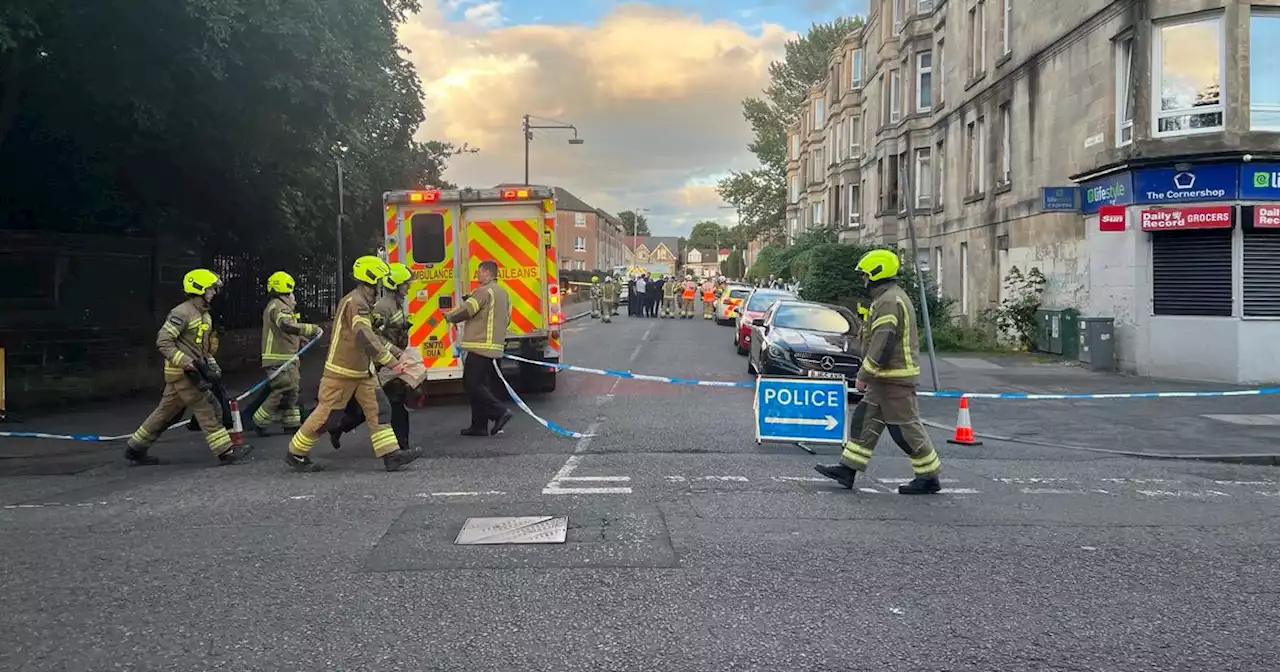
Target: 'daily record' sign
point(1266, 216)
point(1181, 219)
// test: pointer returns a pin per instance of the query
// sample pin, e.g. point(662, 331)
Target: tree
point(634, 224)
point(707, 235)
point(760, 194)
point(734, 266)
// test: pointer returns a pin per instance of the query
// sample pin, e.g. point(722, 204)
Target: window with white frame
point(853, 203)
point(924, 178)
point(897, 14)
point(964, 278)
point(819, 165)
point(937, 270)
point(895, 96)
point(579, 244)
point(981, 168)
point(818, 118)
point(815, 212)
point(1006, 144)
point(1006, 27)
point(977, 40)
point(971, 158)
point(924, 81)
point(579, 219)
point(1264, 53)
point(856, 70)
point(1124, 91)
point(838, 152)
point(1187, 76)
point(942, 74)
point(795, 188)
point(855, 137)
point(795, 146)
point(939, 164)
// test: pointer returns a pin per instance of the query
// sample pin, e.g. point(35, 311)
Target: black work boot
point(921, 486)
point(395, 460)
point(335, 438)
point(475, 431)
point(501, 422)
point(260, 430)
point(301, 464)
point(140, 457)
point(235, 454)
point(838, 473)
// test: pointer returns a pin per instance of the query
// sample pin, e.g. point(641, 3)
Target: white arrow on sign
point(829, 422)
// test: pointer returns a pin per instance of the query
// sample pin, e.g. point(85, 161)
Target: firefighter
point(608, 298)
point(595, 296)
point(281, 336)
point(864, 329)
point(888, 377)
point(687, 291)
point(348, 374)
point(190, 371)
point(392, 324)
point(485, 315)
point(670, 294)
point(708, 299)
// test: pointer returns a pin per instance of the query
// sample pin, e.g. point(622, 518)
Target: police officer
point(889, 375)
point(281, 336)
point(190, 371)
point(595, 296)
point(485, 316)
point(609, 298)
point(392, 324)
point(348, 374)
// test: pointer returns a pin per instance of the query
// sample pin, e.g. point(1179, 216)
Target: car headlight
point(776, 352)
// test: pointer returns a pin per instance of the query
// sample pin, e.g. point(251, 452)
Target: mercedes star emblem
point(828, 363)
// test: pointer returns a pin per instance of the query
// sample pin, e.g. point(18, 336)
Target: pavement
point(689, 547)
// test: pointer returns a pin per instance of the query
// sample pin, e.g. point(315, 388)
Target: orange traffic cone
point(964, 430)
point(237, 429)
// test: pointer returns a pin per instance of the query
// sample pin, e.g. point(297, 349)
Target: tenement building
point(1128, 149)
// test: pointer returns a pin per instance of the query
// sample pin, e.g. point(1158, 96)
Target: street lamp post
point(552, 125)
point(337, 162)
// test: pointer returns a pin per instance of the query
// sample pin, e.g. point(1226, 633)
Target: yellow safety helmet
point(863, 310)
point(370, 270)
point(879, 265)
point(595, 278)
point(397, 275)
point(195, 282)
point(280, 283)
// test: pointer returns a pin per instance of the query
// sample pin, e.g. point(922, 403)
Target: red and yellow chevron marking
point(430, 332)
point(392, 240)
point(553, 269)
point(516, 245)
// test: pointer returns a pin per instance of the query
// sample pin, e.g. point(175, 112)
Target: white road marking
point(635, 354)
point(676, 479)
point(474, 493)
point(800, 479)
point(1245, 482)
point(549, 490)
point(1139, 480)
point(960, 491)
point(900, 481)
point(303, 497)
point(871, 491)
point(896, 611)
point(1183, 493)
point(599, 479)
point(1032, 481)
point(1051, 491)
point(740, 479)
point(1088, 548)
point(566, 470)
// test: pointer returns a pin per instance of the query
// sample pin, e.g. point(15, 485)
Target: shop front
point(1186, 258)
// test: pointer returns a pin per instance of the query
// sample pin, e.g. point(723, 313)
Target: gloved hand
point(214, 369)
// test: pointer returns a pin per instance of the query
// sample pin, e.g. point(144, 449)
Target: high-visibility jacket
point(185, 337)
point(609, 292)
point(485, 315)
point(690, 288)
point(670, 288)
point(281, 332)
point(892, 344)
point(354, 346)
point(708, 292)
point(390, 321)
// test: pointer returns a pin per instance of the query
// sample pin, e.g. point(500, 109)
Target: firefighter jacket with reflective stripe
point(281, 331)
point(186, 336)
point(690, 287)
point(892, 353)
point(670, 288)
point(485, 316)
point(708, 291)
point(609, 292)
point(390, 320)
point(354, 346)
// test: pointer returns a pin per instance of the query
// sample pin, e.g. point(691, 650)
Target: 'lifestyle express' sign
point(1110, 190)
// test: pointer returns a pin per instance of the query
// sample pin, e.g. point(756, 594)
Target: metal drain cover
point(513, 530)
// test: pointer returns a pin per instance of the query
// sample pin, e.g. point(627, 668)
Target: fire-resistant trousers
point(393, 395)
point(892, 407)
point(281, 404)
point(178, 394)
point(333, 396)
point(669, 308)
point(708, 309)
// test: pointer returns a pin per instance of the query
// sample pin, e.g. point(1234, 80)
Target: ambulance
point(442, 235)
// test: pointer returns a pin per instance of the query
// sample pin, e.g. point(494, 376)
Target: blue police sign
point(801, 409)
point(1110, 190)
point(1213, 182)
point(1058, 199)
point(1260, 181)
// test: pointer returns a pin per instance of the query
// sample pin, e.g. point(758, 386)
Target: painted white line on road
point(1051, 491)
point(303, 497)
point(1260, 492)
point(1245, 482)
point(549, 490)
point(800, 479)
point(1139, 480)
point(676, 479)
point(1183, 493)
point(872, 491)
point(960, 491)
point(1033, 481)
point(470, 493)
point(739, 479)
point(635, 354)
point(600, 479)
point(900, 481)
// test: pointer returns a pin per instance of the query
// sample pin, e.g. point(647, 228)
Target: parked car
point(730, 299)
point(805, 340)
point(752, 308)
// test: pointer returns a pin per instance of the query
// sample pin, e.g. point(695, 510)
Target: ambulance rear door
point(512, 233)
point(422, 229)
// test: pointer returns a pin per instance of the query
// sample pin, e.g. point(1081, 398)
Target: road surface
point(690, 548)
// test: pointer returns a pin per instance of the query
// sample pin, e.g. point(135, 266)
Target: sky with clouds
point(654, 88)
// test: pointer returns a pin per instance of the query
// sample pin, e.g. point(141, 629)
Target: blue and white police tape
point(95, 438)
point(529, 412)
point(938, 394)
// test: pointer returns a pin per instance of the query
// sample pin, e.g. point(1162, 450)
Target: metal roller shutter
point(1262, 273)
point(1191, 272)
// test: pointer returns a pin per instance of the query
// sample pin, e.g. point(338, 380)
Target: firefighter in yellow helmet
point(670, 297)
point(392, 323)
point(354, 348)
point(888, 377)
point(608, 299)
point(190, 371)
point(282, 333)
point(595, 296)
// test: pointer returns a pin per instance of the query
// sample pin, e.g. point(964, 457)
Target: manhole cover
point(513, 530)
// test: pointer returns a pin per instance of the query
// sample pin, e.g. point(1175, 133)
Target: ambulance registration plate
point(432, 349)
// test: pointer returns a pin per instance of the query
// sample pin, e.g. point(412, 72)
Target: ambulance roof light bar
point(514, 193)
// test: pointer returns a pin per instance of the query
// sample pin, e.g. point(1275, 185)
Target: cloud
point(655, 93)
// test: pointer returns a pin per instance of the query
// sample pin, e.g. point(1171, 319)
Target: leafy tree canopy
point(634, 224)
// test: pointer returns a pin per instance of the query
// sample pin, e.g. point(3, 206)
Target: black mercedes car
point(805, 339)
